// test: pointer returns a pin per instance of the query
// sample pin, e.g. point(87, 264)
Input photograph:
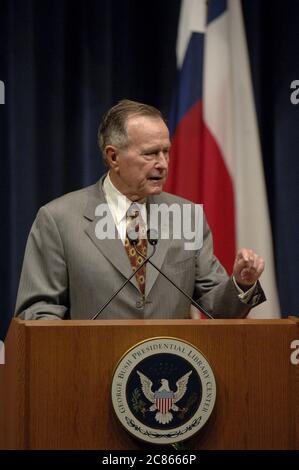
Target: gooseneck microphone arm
point(145, 260)
point(153, 240)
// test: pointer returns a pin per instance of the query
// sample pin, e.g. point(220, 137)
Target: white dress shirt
point(119, 204)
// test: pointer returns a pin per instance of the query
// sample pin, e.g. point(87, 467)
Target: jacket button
point(139, 304)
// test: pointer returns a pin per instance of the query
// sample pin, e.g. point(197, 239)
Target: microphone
point(152, 236)
point(133, 240)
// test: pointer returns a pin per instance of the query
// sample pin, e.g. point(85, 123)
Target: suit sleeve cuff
point(247, 296)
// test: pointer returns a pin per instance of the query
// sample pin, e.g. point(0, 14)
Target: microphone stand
point(153, 241)
point(145, 260)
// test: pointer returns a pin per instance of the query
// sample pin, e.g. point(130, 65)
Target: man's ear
point(111, 156)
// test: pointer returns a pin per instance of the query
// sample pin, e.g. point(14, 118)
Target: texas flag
point(216, 157)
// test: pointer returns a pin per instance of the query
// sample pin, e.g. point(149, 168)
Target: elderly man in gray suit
point(70, 270)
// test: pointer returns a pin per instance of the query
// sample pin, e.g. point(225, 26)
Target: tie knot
point(135, 220)
point(133, 211)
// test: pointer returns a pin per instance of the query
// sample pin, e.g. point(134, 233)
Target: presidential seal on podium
point(163, 390)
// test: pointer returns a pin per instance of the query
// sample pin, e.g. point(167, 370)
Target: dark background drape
point(64, 63)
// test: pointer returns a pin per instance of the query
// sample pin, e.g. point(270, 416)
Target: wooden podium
point(55, 384)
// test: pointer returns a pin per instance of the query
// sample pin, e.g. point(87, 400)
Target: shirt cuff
point(245, 297)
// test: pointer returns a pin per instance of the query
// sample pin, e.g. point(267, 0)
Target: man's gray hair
point(112, 129)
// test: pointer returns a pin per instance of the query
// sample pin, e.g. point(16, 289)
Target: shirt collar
point(118, 202)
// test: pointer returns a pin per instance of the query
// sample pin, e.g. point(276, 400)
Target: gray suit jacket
point(69, 273)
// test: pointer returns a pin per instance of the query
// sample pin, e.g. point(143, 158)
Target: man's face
point(141, 168)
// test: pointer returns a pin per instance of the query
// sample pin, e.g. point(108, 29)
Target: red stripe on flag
point(198, 172)
point(218, 199)
point(185, 163)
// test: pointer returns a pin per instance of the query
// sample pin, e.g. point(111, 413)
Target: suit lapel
point(158, 258)
point(113, 249)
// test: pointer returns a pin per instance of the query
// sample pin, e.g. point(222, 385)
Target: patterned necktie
point(135, 221)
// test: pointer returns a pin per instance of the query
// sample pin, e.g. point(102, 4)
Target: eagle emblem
point(164, 400)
